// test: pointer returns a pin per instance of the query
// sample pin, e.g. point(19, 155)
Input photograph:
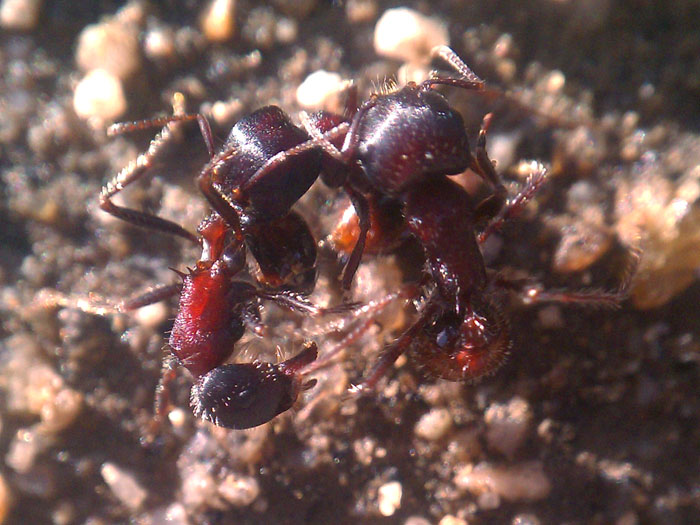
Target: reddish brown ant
point(252, 184)
point(397, 150)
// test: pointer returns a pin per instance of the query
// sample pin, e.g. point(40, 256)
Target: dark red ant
point(252, 184)
point(397, 150)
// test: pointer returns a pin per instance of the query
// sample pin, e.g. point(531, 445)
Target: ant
point(395, 152)
point(251, 184)
point(393, 155)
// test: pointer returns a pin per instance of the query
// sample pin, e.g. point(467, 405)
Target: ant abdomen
point(285, 254)
point(246, 395)
point(463, 347)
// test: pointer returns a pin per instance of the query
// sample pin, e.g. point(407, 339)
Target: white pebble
point(390, 498)
point(434, 424)
point(218, 22)
point(112, 45)
point(159, 44)
point(508, 425)
point(124, 486)
point(555, 82)
point(320, 89)
point(239, 491)
point(21, 15)
point(152, 315)
point(404, 34)
point(24, 448)
point(519, 482)
point(61, 411)
point(199, 488)
point(99, 96)
point(449, 519)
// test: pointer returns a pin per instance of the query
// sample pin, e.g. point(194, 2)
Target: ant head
point(464, 347)
point(246, 395)
point(409, 136)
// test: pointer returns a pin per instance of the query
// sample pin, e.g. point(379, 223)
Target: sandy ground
point(594, 418)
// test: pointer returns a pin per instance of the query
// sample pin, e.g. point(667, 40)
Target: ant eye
point(245, 395)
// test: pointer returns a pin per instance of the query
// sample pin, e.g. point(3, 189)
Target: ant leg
point(324, 139)
point(133, 172)
point(373, 308)
point(481, 165)
point(276, 160)
point(392, 353)
point(514, 206)
point(351, 101)
point(533, 293)
point(224, 207)
point(362, 210)
point(162, 402)
point(296, 302)
point(178, 115)
point(450, 57)
point(152, 296)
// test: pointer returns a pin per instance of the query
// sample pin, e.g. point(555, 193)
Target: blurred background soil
point(594, 418)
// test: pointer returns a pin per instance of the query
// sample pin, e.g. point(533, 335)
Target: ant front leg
point(467, 78)
point(482, 165)
point(136, 169)
point(514, 206)
point(362, 210)
point(497, 208)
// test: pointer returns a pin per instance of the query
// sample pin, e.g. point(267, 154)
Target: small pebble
point(406, 35)
point(320, 90)
point(199, 488)
point(124, 486)
point(433, 425)
point(390, 498)
point(112, 45)
point(508, 425)
point(61, 410)
point(360, 11)
point(554, 82)
point(517, 482)
point(218, 22)
point(99, 97)
point(23, 450)
point(452, 520)
point(526, 519)
point(159, 44)
point(21, 15)
point(239, 491)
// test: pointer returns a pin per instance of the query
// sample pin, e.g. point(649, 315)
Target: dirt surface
point(594, 418)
